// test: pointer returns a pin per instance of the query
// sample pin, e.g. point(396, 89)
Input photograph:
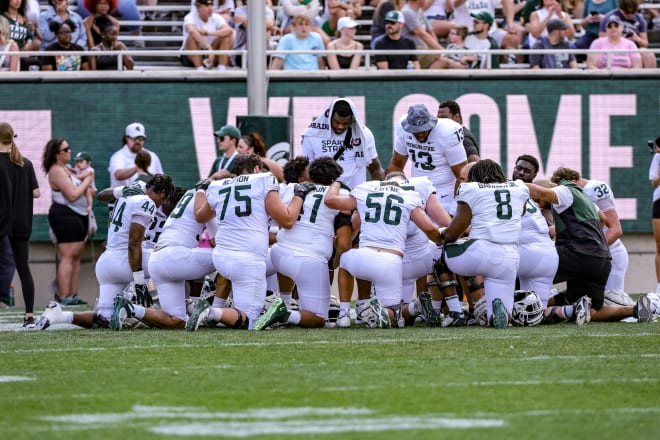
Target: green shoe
point(382, 317)
point(277, 312)
point(500, 317)
point(199, 314)
point(123, 309)
point(424, 307)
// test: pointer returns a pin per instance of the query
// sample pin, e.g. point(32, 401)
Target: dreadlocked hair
point(324, 170)
point(486, 171)
point(563, 173)
point(161, 183)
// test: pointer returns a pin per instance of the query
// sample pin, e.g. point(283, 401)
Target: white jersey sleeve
point(601, 194)
point(136, 209)
point(240, 207)
point(496, 209)
point(533, 227)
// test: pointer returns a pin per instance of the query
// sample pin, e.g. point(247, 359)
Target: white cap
point(346, 22)
point(135, 129)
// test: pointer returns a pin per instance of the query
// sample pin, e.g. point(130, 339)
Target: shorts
point(67, 225)
point(656, 209)
point(425, 61)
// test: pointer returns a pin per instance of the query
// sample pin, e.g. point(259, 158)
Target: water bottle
point(11, 300)
point(410, 65)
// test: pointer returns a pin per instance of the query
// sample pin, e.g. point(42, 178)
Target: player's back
point(181, 228)
point(126, 209)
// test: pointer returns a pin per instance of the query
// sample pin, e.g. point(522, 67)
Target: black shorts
point(656, 209)
point(68, 226)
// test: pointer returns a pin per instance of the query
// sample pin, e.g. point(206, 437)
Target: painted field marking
point(4, 379)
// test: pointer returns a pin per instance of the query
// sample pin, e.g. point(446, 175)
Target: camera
point(651, 145)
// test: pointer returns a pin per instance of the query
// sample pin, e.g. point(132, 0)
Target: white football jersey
point(240, 207)
point(534, 227)
point(312, 234)
point(181, 228)
point(353, 175)
point(385, 213)
point(434, 158)
point(496, 209)
point(416, 239)
point(136, 209)
point(601, 194)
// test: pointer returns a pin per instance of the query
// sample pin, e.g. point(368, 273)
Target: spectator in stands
point(127, 10)
point(109, 41)
point(59, 11)
point(614, 40)
point(654, 178)
point(437, 13)
point(68, 216)
point(418, 29)
point(556, 39)
point(457, 36)
point(21, 189)
point(302, 38)
point(393, 40)
point(451, 110)
point(378, 21)
point(99, 8)
point(227, 138)
point(122, 167)
point(204, 29)
point(21, 30)
point(335, 10)
point(594, 12)
point(62, 62)
point(539, 19)
point(7, 62)
point(480, 40)
point(633, 27)
point(240, 23)
point(346, 27)
point(254, 143)
point(292, 8)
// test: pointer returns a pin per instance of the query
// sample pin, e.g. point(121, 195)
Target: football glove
point(203, 184)
point(302, 189)
point(143, 295)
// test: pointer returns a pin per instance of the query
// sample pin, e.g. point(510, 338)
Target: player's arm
point(437, 213)
point(135, 236)
point(419, 217)
point(343, 236)
point(285, 216)
point(376, 170)
point(397, 162)
point(541, 194)
point(203, 211)
point(459, 223)
point(335, 201)
point(614, 229)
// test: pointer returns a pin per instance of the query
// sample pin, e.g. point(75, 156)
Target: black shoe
point(28, 322)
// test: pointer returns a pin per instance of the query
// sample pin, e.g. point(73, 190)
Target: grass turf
point(561, 381)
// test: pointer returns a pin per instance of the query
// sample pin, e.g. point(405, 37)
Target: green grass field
point(551, 382)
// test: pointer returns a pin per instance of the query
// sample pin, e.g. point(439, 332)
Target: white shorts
point(415, 265)
point(170, 267)
point(616, 280)
point(538, 266)
point(383, 269)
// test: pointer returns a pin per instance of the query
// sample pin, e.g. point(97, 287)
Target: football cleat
point(455, 319)
point(276, 313)
point(618, 297)
point(500, 316)
point(343, 320)
point(642, 310)
point(582, 311)
point(53, 314)
point(382, 318)
point(424, 307)
point(198, 316)
point(122, 309)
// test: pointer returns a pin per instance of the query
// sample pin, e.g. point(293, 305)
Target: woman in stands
point(60, 61)
point(99, 8)
point(109, 41)
point(614, 40)
point(346, 27)
point(254, 143)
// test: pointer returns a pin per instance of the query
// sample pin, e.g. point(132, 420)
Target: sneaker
point(642, 310)
point(51, 315)
point(618, 297)
point(123, 309)
point(78, 301)
point(500, 317)
point(72, 300)
point(455, 319)
point(364, 314)
point(29, 322)
point(198, 315)
point(582, 311)
point(424, 307)
point(343, 320)
point(277, 312)
point(382, 318)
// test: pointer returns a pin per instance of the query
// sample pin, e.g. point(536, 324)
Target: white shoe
point(618, 297)
point(53, 314)
point(343, 320)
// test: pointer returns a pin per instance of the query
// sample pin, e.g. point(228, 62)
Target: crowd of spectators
point(334, 25)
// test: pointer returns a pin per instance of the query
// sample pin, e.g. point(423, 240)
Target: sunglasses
point(139, 138)
point(65, 150)
point(611, 25)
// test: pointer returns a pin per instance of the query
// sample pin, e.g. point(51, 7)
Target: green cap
point(83, 155)
point(483, 16)
point(229, 130)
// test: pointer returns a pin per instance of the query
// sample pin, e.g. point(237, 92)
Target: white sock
point(437, 305)
point(286, 298)
point(657, 288)
point(453, 304)
point(215, 314)
point(220, 303)
point(345, 307)
point(412, 311)
point(568, 312)
point(68, 317)
point(139, 311)
point(294, 317)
